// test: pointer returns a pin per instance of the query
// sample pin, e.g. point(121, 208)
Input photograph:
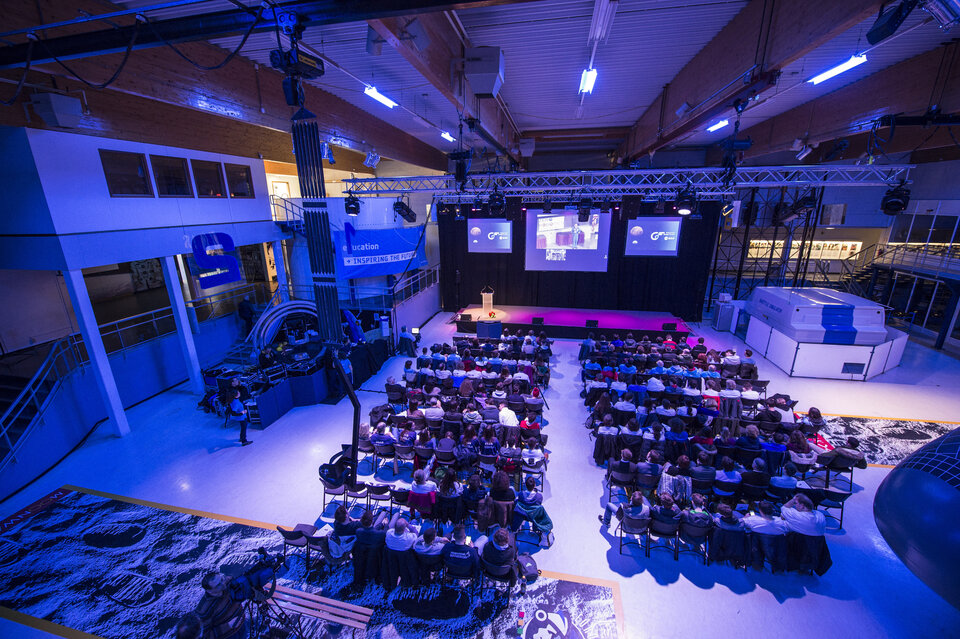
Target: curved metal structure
point(916, 511)
point(267, 327)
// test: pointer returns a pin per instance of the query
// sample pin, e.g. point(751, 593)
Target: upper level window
point(208, 176)
point(171, 176)
point(240, 180)
point(126, 173)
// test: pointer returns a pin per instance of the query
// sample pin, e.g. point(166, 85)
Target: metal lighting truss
point(652, 184)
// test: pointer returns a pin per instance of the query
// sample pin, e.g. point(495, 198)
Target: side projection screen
point(489, 236)
point(653, 236)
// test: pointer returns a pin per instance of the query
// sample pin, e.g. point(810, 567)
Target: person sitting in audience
point(769, 413)
point(666, 409)
point(473, 492)
point(813, 421)
point(467, 449)
point(500, 488)
point(489, 373)
point(711, 372)
point(703, 471)
point(448, 444)
point(521, 376)
point(653, 438)
point(668, 342)
point(532, 421)
point(786, 413)
point(608, 426)
point(726, 518)
point(591, 367)
point(460, 559)
point(407, 436)
point(800, 451)
point(426, 440)
point(514, 396)
point(433, 410)
point(666, 511)
point(637, 508)
point(382, 435)
point(730, 390)
point(441, 372)
point(489, 445)
point(764, 521)
point(691, 391)
point(696, 514)
point(748, 358)
point(757, 475)
point(677, 432)
point(630, 342)
point(748, 392)
point(750, 440)
point(402, 535)
point(533, 454)
point(700, 347)
point(646, 408)
point(500, 550)
point(422, 485)
point(849, 452)
point(499, 393)
point(703, 440)
point(727, 472)
point(778, 445)
point(725, 438)
point(471, 415)
point(787, 479)
point(507, 417)
point(652, 466)
point(711, 389)
point(626, 404)
point(800, 516)
point(429, 544)
point(731, 358)
point(658, 369)
point(685, 358)
point(409, 374)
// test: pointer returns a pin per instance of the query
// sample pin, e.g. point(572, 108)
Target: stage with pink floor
point(573, 323)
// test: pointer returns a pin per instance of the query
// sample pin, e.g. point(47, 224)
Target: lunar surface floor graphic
point(122, 570)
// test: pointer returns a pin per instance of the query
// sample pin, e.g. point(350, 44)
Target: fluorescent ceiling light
point(603, 13)
point(379, 97)
point(854, 61)
point(719, 125)
point(446, 136)
point(587, 79)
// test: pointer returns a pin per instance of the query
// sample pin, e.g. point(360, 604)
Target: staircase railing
point(931, 261)
point(286, 211)
point(62, 358)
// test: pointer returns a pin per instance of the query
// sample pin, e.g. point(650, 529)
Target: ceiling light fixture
point(686, 201)
point(804, 152)
point(719, 125)
point(895, 200)
point(854, 61)
point(497, 203)
point(446, 136)
point(587, 79)
point(352, 205)
point(379, 97)
point(603, 14)
point(372, 159)
point(402, 209)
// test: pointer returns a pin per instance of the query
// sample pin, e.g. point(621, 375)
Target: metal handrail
point(224, 303)
point(159, 322)
point(285, 210)
point(61, 359)
point(920, 259)
point(413, 284)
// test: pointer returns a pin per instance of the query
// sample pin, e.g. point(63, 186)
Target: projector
point(296, 62)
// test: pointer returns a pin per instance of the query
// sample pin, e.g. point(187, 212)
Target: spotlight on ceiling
point(805, 150)
point(460, 209)
point(326, 152)
point(352, 205)
point(403, 210)
point(583, 209)
point(497, 203)
point(686, 201)
point(895, 200)
point(477, 205)
point(547, 205)
point(372, 159)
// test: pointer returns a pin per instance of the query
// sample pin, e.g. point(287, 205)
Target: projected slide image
point(489, 236)
point(653, 236)
point(558, 241)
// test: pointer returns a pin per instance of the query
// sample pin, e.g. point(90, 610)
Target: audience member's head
point(759, 466)
point(340, 515)
point(366, 519)
point(727, 464)
point(400, 526)
point(698, 501)
point(803, 502)
point(420, 477)
point(530, 483)
point(459, 534)
point(501, 537)
point(765, 508)
point(430, 534)
point(626, 454)
point(703, 458)
point(666, 500)
point(790, 469)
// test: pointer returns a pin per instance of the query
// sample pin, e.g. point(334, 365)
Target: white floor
point(177, 455)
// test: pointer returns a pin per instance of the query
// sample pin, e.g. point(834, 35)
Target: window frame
point(186, 170)
point(223, 180)
point(249, 169)
point(147, 171)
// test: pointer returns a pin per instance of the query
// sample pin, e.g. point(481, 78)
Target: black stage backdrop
point(674, 285)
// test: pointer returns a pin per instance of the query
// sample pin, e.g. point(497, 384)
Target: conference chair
point(330, 491)
point(666, 536)
point(404, 453)
point(632, 526)
point(398, 498)
point(745, 456)
point(380, 495)
point(694, 540)
point(834, 499)
point(494, 574)
point(723, 488)
point(296, 538)
point(433, 423)
point(382, 452)
point(423, 455)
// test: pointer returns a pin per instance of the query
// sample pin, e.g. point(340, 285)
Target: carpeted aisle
point(124, 569)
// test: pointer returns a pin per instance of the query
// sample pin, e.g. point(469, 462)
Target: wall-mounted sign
point(217, 267)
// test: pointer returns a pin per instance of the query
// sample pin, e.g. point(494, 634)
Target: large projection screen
point(558, 241)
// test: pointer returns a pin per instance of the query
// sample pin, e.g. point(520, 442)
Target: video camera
point(250, 585)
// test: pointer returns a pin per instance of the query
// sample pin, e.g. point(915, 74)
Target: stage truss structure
point(651, 184)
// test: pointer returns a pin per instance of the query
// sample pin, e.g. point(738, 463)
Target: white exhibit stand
point(486, 295)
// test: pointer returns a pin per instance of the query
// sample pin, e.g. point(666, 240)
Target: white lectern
point(487, 296)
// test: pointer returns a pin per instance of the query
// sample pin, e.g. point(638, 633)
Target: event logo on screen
point(653, 236)
point(489, 236)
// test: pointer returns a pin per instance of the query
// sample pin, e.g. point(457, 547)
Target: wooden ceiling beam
point(441, 65)
point(904, 87)
point(740, 62)
point(242, 90)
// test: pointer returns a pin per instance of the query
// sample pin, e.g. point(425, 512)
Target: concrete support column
point(281, 264)
point(97, 354)
point(184, 327)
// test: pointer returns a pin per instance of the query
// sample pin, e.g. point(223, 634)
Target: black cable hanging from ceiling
point(116, 74)
point(257, 20)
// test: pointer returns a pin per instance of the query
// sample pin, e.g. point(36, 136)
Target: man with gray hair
point(220, 615)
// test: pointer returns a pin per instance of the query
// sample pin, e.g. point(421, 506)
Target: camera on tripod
point(251, 585)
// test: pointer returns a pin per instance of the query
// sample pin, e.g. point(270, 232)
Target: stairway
point(10, 388)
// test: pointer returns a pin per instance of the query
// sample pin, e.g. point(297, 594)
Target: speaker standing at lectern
point(486, 295)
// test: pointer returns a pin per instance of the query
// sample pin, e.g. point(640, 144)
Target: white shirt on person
point(764, 526)
point(731, 393)
point(474, 374)
point(427, 487)
point(403, 541)
point(810, 522)
point(443, 373)
point(508, 417)
point(750, 394)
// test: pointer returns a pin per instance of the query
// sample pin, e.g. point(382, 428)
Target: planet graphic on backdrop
point(636, 231)
point(475, 231)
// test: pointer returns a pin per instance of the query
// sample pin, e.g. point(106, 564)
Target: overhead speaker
point(538, 321)
point(592, 324)
point(670, 326)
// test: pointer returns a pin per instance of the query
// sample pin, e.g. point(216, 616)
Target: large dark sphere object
point(917, 509)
